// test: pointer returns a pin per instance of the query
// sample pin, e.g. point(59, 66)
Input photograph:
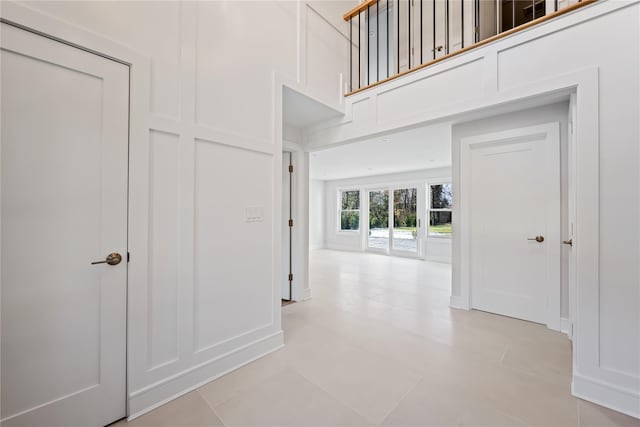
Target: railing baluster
point(434, 28)
point(476, 21)
point(398, 38)
point(461, 24)
point(409, 34)
point(533, 8)
point(359, 53)
point(387, 39)
point(513, 14)
point(446, 27)
point(378, 41)
point(350, 55)
point(421, 49)
point(368, 23)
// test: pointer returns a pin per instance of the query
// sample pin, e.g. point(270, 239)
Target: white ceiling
point(420, 148)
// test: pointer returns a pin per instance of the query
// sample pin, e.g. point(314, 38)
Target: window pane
point(350, 220)
point(440, 223)
point(351, 200)
point(404, 219)
point(441, 197)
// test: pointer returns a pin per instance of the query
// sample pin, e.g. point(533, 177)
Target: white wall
point(195, 309)
point(435, 249)
point(316, 213)
point(595, 52)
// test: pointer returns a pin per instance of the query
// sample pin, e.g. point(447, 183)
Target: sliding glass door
point(393, 225)
point(378, 239)
point(405, 220)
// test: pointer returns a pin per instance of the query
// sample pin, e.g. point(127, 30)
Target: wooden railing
point(390, 38)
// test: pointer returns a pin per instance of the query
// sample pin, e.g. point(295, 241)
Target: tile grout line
point(211, 407)
point(364, 417)
point(402, 398)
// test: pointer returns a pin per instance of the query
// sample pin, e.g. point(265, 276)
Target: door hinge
point(128, 256)
point(290, 223)
point(290, 277)
point(290, 168)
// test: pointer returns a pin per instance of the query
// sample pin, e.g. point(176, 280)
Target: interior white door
point(513, 183)
point(64, 204)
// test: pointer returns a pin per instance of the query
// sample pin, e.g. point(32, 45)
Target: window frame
point(340, 210)
point(429, 209)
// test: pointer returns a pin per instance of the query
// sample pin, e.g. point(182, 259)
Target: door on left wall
point(64, 160)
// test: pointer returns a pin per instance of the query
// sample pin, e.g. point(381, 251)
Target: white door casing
point(510, 192)
point(287, 205)
point(64, 204)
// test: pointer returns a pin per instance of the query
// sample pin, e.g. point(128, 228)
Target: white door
point(513, 187)
point(64, 145)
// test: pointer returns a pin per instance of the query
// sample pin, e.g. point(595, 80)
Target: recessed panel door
point(64, 146)
point(514, 213)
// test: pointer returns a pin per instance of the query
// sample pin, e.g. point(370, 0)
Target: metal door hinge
point(290, 277)
point(290, 168)
point(290, 223)
point(128, 256)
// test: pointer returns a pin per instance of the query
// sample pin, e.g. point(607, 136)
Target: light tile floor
point(378, 345)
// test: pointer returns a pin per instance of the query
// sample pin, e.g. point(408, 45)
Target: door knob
point(538, 239)
point(568, 242)
point(111, 259)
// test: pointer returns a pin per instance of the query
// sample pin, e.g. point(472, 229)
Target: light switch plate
point(254, 214)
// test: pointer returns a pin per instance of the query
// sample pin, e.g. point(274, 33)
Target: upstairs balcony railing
point(390, 38)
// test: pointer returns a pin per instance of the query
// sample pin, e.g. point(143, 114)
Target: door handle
point(568, 242)
point(538, 239)
point(111, 259)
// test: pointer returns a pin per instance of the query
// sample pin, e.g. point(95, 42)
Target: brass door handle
point(111, 259)
point(538, 239)
point(568, 242)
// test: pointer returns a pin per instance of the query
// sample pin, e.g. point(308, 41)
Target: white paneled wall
point(595, 53)
point(316, 213)
point(210, 154)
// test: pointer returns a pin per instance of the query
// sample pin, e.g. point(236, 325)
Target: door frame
point(139, 65)
point(551, 133)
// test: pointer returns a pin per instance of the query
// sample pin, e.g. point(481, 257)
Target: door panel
point(514, 197)
point(378, 238)
point(64, 205)
point(405, 209)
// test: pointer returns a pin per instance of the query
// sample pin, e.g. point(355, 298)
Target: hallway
point(378, 345)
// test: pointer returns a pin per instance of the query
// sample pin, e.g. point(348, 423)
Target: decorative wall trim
point(456, 301)
point(606, 394)
point(161, 392)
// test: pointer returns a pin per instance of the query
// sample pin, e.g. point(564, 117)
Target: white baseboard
point(607, 395)
point(149, 398)
point(303, 294)
point(565, 327)
point(443, 259)
point(456, 301)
